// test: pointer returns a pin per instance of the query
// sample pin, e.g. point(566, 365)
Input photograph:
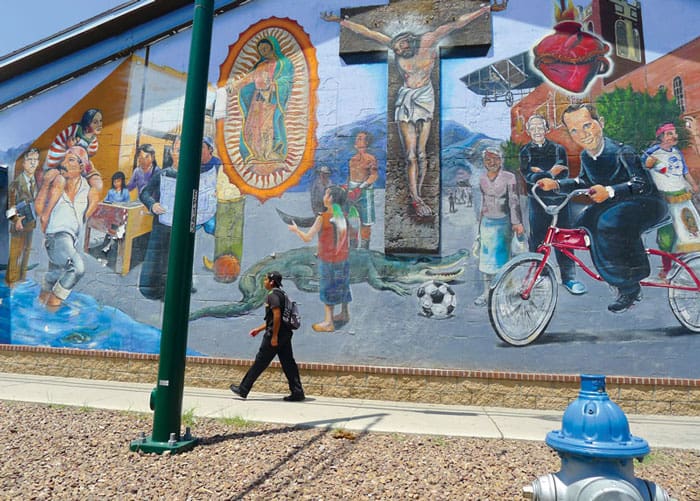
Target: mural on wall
point(4, 228)
point(20, 199)
point(300, 165)
point(370, 267)
point(268, 129)
point(399, 30)
point(414, 107)
point(615, 178)
point(364, 173)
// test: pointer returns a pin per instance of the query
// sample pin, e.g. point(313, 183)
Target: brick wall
point(635, 395)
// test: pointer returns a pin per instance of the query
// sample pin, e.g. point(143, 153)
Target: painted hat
point(208, 141)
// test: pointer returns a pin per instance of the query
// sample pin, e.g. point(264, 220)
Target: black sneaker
point(238, 391)
point(624, 301)
point(295, 397)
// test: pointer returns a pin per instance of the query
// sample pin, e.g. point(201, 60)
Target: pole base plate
point(149, 445)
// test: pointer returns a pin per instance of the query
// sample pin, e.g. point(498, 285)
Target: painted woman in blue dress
point(263, 94)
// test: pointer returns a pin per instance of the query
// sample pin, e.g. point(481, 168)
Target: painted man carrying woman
point(64, 223)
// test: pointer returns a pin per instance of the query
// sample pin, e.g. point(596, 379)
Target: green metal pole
point(167, 397)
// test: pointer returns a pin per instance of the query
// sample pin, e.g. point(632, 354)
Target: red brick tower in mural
point(619, 22)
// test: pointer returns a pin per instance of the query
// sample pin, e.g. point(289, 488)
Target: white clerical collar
point(595, 155)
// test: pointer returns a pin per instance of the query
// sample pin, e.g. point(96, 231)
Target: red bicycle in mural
point(523, 296)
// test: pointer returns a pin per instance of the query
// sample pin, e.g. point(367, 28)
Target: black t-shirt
point(275, 299)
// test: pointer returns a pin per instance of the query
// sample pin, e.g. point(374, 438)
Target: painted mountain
point(460, 148)
point(335, 149)
point(461, 152)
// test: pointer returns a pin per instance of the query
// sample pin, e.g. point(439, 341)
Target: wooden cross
point(412, 36)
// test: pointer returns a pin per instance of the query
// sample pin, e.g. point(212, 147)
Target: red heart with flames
point(570, 58)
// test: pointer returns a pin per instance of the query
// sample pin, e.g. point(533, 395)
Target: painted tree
point(511, 156)
point(632, 117)
point(511, 163)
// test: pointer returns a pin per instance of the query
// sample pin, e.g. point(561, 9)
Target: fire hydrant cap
point(595, 426)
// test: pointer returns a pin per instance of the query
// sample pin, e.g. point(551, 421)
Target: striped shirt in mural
point(58, 148)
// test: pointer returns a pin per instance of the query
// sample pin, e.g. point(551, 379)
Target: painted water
point(80, 322)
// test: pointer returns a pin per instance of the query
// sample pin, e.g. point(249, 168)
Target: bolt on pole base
point(147, 444)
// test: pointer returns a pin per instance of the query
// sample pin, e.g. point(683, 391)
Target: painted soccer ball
point(436, 299)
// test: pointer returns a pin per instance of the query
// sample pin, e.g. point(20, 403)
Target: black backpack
point(290, 313)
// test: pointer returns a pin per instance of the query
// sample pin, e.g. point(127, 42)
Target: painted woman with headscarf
point(499, 218)
point(263, 94)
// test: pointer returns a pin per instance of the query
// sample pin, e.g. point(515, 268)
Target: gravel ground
point(58, 452)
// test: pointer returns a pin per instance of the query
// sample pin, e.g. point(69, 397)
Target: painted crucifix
point(413, 193)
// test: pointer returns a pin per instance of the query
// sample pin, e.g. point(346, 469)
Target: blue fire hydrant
point(597, 453)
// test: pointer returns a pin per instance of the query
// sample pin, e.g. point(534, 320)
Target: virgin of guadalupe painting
point(267, 130)
point(263, 95)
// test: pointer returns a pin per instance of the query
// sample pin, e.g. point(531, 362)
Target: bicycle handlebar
point(554, 209)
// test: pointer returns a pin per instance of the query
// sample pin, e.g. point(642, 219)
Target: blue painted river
point(81, 322)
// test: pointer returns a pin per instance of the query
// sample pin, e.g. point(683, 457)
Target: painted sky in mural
point(520, 22)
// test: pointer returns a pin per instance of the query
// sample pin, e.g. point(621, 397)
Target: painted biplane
point(503, 80)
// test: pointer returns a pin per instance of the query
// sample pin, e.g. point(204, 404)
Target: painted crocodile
point(300, 266)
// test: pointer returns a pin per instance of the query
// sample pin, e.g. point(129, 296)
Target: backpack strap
point(283, 295)
point(285, 306)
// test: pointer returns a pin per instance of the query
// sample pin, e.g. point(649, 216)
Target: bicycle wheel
point(685, 305)
point(516, 320)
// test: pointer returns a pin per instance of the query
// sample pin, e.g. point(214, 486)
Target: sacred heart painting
point(268, 83)
point(571, 58)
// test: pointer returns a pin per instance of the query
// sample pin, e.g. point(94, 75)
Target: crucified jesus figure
point(415, 101)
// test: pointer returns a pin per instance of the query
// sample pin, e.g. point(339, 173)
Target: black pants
point(154, 269)
point(265, 355)
point(616, 228)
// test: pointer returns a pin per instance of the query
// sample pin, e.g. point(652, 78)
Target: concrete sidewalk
point(349, 414)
